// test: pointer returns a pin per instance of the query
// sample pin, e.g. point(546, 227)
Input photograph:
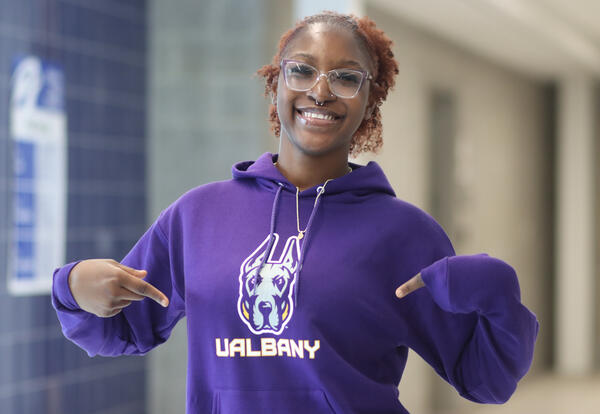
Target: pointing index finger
point(144, 288)
point(410, 286)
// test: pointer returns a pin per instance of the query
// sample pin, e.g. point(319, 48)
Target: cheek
point(285, 104)
point(281, 97)
point(282, 93)
point(360, 111)
point(283, 113)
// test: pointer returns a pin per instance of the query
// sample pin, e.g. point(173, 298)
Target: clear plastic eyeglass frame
point(364, 76)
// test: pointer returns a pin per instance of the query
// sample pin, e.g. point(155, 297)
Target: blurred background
point(492, 128)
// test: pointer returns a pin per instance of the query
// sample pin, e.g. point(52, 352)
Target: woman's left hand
point(410, 286)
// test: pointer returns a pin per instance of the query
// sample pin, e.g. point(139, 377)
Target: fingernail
point(399, 293)
point(164, 302)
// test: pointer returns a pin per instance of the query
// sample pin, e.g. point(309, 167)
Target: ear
point(291, 254)
point(253, 261)
point(369, 111)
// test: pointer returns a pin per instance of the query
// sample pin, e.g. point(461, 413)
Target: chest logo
point(265, 302)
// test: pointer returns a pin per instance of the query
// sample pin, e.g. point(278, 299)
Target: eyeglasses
point(344, 83)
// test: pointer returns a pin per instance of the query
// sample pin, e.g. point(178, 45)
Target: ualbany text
point(268, 347)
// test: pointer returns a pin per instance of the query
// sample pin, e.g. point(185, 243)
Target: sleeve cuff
point(463, 284)
point(435, 277)
point(61, 293)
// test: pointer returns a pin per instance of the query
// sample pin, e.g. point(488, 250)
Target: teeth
point(317, 115)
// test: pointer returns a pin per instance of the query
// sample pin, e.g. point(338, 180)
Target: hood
point(363, 180)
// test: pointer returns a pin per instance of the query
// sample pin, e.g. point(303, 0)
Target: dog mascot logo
point(265, 303)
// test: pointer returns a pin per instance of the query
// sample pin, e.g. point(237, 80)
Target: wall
point(101, 47)
point(500, 199)
point(597, 224)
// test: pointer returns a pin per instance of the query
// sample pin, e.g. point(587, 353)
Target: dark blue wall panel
point(101, 45)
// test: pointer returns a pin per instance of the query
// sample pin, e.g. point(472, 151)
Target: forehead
point(328, 46)
point(271, 271)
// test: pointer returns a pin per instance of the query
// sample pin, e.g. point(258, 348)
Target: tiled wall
point(102, 48)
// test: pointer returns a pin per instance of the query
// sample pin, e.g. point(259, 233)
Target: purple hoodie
point(320, 330)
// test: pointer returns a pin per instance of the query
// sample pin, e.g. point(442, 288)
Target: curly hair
point(368, 136)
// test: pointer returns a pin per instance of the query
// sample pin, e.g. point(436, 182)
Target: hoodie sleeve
point(470, 325)
point(142, 325)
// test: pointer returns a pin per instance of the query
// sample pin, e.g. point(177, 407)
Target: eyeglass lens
point(344, 83)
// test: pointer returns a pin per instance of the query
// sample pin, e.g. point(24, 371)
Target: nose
point(321, 92)
point(265, 308)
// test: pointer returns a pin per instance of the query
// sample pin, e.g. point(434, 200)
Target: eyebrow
point(342, 63)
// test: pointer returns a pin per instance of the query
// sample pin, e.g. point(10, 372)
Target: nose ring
point(331, 94)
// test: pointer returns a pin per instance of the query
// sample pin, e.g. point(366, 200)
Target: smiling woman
point(304, 279)
point(366, 41)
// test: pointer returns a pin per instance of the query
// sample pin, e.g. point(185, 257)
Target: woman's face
point(325, 48)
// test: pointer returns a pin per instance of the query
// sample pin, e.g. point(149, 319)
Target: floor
point(545, 395)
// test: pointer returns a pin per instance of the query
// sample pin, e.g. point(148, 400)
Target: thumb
point(134, 272)
point(410, 286)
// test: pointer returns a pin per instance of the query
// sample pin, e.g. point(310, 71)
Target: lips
point(318, 116)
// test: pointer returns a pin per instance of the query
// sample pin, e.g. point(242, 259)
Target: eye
point(251, 283)
point(300, 70)
point(279, 283)
point(347, 77)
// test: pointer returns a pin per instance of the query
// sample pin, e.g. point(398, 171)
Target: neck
point(306, 171)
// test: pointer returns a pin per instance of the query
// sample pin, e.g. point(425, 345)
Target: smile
point(318, 118)
point(316, 115)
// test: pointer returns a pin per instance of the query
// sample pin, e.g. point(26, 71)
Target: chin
point(318, 147)
point(312, 142)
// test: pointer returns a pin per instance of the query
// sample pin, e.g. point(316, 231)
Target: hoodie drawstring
point(271, 232)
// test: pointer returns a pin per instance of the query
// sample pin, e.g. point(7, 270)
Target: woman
point(287, 272)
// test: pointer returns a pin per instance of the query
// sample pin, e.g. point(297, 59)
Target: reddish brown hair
point(368, 136)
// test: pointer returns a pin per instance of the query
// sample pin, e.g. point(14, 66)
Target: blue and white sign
point(38, 129)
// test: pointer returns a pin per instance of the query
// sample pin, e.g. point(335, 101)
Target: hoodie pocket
point(271, 402)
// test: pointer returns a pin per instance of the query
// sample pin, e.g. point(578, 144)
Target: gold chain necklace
point(320, 190)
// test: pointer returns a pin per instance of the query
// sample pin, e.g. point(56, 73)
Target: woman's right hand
point(104, 287)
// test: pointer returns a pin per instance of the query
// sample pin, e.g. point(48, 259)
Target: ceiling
point(545, 39)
